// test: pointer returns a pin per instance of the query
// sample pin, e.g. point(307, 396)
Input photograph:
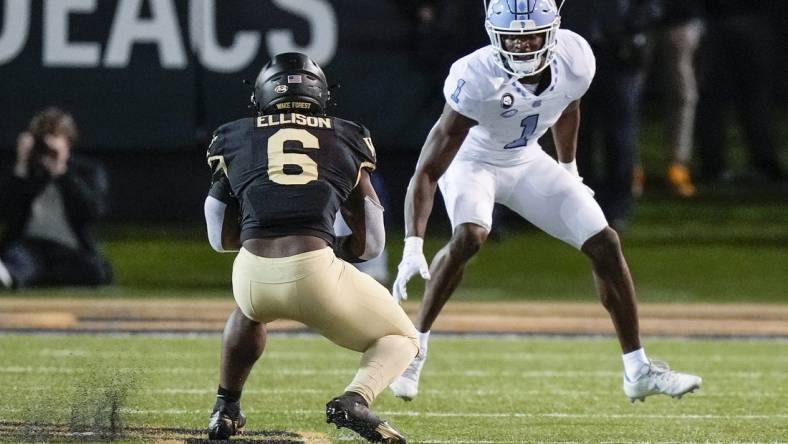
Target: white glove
point(413, 261)
point(572, 168)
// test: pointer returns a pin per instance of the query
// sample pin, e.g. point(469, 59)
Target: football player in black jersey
point(278, 180)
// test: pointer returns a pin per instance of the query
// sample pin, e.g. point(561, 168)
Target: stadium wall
point(149, 80)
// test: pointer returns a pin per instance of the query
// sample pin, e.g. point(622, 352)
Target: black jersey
point(289, 172)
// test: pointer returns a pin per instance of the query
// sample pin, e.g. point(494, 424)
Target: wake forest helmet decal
point(290, 82)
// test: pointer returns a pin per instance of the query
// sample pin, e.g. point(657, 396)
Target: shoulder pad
point(578, 54)
point(471, 79)
point(215, 146)
point(361, 140)
point(354, 126)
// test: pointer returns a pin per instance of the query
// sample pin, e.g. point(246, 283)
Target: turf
point(495, 389)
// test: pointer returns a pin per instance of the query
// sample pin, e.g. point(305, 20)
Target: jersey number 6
point(278, 158)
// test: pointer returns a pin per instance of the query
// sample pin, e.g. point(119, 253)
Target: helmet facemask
point(523, 18)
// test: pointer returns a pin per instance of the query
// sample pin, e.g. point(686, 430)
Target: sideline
point(207, 316)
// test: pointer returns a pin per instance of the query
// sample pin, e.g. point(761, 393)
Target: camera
point(40, 147)
point(40, 150)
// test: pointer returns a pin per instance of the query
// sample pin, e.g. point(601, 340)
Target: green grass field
point(725, 248)
point(718, 250)
point(491, 390)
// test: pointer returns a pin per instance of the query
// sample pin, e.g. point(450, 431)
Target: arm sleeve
point(221, 201)
point(216, 213)
point(221, 190)
point(374, 235)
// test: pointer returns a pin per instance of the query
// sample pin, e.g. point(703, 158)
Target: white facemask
point(526, 66)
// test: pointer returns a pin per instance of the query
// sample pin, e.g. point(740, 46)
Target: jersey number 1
point(529, 128)
point(278, 158)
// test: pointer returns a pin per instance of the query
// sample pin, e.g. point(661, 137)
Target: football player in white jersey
point(483, 149)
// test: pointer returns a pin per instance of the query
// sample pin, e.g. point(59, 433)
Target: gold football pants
point(333, 298)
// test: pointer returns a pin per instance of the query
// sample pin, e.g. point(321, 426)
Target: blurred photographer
point(50, 204)
point(619, 32)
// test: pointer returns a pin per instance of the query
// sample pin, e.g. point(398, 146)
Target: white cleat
point(660, 379)
point(406, 386)
point(5, 277)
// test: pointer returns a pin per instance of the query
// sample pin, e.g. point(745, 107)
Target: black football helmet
point(290, 82)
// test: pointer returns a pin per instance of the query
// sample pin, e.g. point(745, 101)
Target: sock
point(635, 363)
point(424, 338)
point(383, 361)
point(358, 397)
point(228, 395)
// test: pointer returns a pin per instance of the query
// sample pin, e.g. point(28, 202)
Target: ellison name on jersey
point(297, 119)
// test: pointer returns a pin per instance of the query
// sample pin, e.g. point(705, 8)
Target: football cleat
point(678, 176)
point(660, 379)
point(406, 386)
point(638, 181)
point(351, 411)
point(226, 420)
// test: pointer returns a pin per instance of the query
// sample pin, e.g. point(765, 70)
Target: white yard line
point(555, 415)
point(308, 335)
point(578, 394)
point(351, 371)
point(303, 355)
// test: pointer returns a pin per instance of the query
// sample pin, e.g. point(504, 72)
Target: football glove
point(413, 261)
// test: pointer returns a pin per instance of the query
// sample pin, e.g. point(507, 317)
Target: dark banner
point(161, 74)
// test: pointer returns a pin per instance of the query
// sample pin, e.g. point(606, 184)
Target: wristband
point(571, 167)
point(413, 244)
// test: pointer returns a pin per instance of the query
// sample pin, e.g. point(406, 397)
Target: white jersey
point(510, 118)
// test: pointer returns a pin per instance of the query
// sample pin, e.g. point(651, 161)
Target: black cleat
point(351, 411)
point(226, 420)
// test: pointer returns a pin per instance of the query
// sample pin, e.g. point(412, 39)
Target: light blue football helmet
point(522, 17)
